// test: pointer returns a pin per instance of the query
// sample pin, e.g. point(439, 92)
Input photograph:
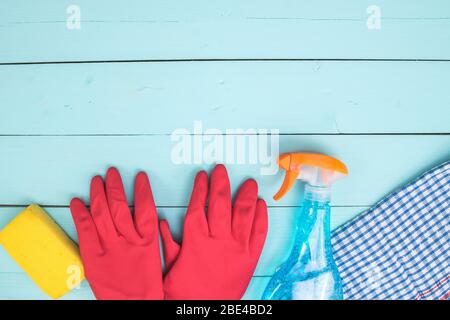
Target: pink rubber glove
point(121, 255)
point(220, 250)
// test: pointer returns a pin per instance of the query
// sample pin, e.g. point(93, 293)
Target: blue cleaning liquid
point(310, 272)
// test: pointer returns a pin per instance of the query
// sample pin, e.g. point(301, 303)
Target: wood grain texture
point(15, 284)
point(52, 170)
point(277, 247)
point(18, 286)
point(161, 29)
point(158, 98)
point(62, 123)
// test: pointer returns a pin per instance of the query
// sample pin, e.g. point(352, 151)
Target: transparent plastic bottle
point(310, 272)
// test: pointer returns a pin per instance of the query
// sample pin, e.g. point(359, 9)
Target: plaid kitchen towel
point(399, 249)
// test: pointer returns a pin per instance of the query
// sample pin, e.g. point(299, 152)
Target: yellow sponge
point(44, 251)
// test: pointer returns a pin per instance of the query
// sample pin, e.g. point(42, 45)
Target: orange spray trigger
point(288, 182)
point(284, 162)
point(316, 169)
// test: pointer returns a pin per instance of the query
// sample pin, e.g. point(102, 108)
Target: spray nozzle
point(318, 170)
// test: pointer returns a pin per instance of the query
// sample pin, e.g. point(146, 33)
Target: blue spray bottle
point(310, 272)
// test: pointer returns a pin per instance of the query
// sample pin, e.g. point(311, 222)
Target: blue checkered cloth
point(399, 249)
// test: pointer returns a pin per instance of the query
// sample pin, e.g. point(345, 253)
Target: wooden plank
point(52, 170)
point(18, 286)
point(162, 29)
point(278, 243)
point(14, 284)
point(292, 97)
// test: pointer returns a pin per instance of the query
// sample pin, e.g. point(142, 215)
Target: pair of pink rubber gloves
point(216, 260)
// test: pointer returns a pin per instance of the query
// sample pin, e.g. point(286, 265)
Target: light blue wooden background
point(377, 99)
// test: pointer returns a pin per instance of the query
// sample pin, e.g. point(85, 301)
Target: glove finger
point(118, 205)
point(244, 210)
point(100, 210)
point(170, 247)
point(87, 233)
point(259, 228)
point(195, 216)
point(219, 211)
point(145, 217)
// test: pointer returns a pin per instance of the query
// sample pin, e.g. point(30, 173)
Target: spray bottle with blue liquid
point(310, 272)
